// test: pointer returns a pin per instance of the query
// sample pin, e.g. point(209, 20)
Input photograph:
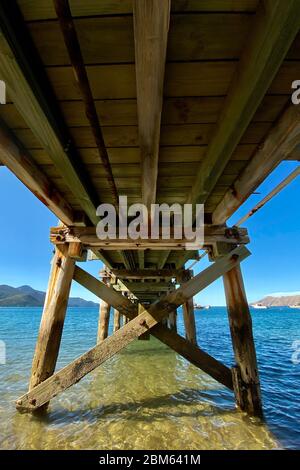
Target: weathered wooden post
point(117, 320)
point(104, 316)
point(103, 324)
point(53, 317)
point(173, 320)
point(245, 374)
point(188, 313)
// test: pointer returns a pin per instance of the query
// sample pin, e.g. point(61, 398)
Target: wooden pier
point(164, 101)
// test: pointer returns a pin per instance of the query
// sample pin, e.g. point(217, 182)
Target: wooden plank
point(33, 112)
point(110, 39)
point(19, 161)
point(117, 81)
point(248, 389)
point(44, 9)
point(88, 237)
point(146, 273)
point(52, 322)
point(276, 26)
point(280, 142)
point(138, 287)
point(151, 25)
point(72, 44)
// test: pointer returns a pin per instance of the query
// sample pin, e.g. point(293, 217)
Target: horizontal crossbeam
point(145, 321)
point(145, 273)
point(88, 237)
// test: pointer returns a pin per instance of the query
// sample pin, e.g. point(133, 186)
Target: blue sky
point(274, 231)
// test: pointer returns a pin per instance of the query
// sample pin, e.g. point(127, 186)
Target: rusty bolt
point(32, 401)
point(58, 262)
point(143, 322)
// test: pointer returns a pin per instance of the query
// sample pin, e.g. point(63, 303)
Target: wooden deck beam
point(29, 88)
point(19, 162)
point(281, 141)
point(88, 237)
point(151, 25)
point(276, 26)
point(146, 273)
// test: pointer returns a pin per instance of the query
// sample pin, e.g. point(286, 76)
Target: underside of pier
point(163, 101)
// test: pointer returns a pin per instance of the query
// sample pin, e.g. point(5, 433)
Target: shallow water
point(147, 397)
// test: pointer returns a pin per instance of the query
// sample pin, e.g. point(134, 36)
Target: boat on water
point(294, 306)
point(201, 307)
point(259, 306)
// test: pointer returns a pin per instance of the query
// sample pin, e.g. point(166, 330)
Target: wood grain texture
point(53, 317)
point(276, 26)
point(247, 388)
point(151, 26)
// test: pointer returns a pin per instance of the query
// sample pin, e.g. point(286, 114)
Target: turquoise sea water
point(147, 396)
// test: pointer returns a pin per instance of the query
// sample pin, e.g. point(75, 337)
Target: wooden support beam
point(19, 161)
point(104, 317)
point(103, 324)
point(136, 287)
point(247, 388)
point(84, 364)
point(145, 321)
point(53, 317)
point(88, 237)
point(282, 139)
point(188, 313)
point(194, 355)
point(151, 25)
point(141, 259)
point(172, 320)
point(145, 336)
point(146, 273)
point(275, 28)
point(68, 30)
point(75, 250)
point(29, 88)
point(117, 320)
point(294, 174)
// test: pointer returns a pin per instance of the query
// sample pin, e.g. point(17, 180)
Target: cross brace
point(148, 320)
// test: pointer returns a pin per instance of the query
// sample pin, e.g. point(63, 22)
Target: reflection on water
point(146, 397)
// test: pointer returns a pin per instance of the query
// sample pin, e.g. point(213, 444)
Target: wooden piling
point(103, 324)
point(188, 314)
point(245, 374)
point(117, 320)
point(52, 322)
point(173, 321)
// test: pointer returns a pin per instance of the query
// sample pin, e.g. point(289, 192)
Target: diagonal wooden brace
point(147, 319)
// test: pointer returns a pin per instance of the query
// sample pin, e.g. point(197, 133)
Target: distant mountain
point(26, 296)
point(280, 301)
